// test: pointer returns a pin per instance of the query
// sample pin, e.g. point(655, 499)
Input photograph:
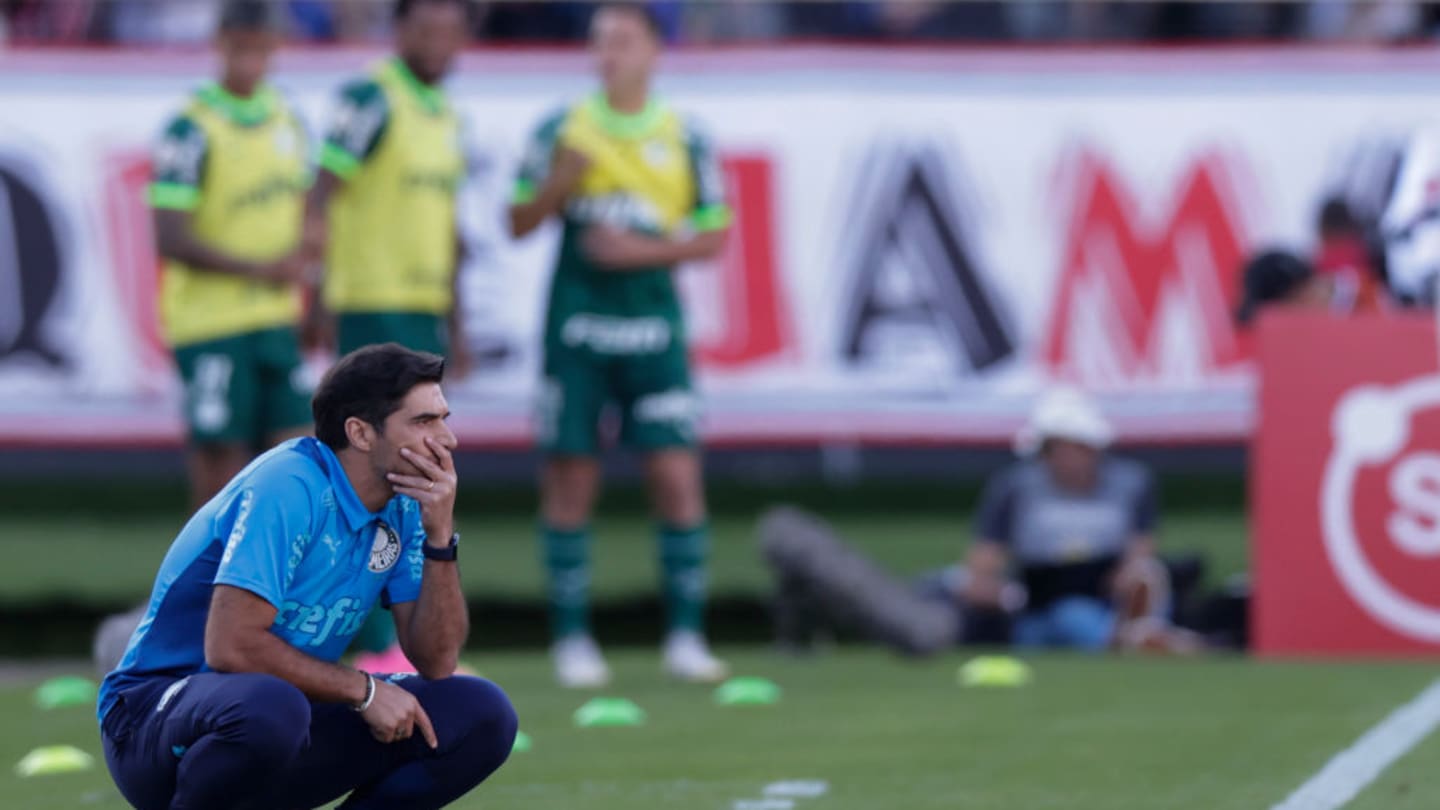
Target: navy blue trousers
point(221, 741)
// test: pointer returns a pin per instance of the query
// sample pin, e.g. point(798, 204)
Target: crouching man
point(229, 694)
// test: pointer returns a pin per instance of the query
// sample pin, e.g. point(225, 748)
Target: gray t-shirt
point(1066, 543)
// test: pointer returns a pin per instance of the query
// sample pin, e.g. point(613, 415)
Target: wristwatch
point(446, 554)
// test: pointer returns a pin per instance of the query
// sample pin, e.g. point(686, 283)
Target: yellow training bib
point(392, 225)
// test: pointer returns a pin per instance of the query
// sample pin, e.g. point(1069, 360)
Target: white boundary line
point(1348, 772)
point(784, 794)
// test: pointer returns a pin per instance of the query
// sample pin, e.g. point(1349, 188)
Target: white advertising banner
point(923, 239)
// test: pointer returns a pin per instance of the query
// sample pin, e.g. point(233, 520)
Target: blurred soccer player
point(383, 206)
point(227, 196)
point(638, 191)
point(383, 212)
point(229, 694)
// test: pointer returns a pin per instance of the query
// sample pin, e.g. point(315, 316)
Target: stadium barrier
point(924, 237)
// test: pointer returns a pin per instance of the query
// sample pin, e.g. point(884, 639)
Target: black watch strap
point(447, 554)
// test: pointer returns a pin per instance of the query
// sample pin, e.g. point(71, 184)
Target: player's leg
point(211, 741)
point(221, 408)
point(674, 479)
point(1142, 595)
point(1084, 623)
point(284, 393)
point(211, 465)
point(1035, 629)
point(568, 413)
point(660, 414)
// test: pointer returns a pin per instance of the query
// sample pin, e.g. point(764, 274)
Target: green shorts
point(652, 393)
point(244, 389)
point(418, 331)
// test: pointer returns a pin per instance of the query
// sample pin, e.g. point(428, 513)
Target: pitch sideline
point(1350, 771)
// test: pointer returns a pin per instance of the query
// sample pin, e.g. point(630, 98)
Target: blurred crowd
point(725, 21)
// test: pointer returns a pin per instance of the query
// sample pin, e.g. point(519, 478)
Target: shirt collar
point(625, 125)
point(346, 499)
point(244, 111)
point(428, 94)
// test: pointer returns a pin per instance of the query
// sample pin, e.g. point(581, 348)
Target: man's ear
point(361, 434)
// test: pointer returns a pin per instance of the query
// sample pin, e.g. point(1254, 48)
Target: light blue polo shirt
point(290, 529)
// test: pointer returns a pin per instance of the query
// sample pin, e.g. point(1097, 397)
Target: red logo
point(742, 293)
point(136, 267)
point(1347, 485)
point(1141, 298)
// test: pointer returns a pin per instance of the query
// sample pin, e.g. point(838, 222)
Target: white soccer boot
point(688, 658)
point(579, 664)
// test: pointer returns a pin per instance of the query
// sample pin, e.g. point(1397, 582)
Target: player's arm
point(457, 361)
point(709, 222)
point(531, 206)
point(174, 193)
point(318, 328)
point(616, 249)
point(549, 174)
point(355, 130)
point(1144, 522)
point(457, 358)
point(251, 583)
point(175, 239)
point(238, 639)
point(432, 624)
point(987, 562)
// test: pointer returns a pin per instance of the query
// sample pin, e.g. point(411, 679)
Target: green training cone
point(747, 692)
point(603, 711)
point(52, 759)
point(522, 743)
point(994, 670)
point(67, 690)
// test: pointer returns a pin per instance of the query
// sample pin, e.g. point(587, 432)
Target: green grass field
point(886, 733)
point(115, 558)
point(878, 731)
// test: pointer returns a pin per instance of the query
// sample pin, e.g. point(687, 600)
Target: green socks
point(567, 561)
point(683, 553)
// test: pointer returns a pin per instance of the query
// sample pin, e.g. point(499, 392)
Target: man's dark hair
point(369, 384)
point(646, 14)
point(404, 7)
point(1272, 276)
point(250, 15)
point(1336, 219)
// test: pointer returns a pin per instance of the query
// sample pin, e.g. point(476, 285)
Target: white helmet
point(1064, 412)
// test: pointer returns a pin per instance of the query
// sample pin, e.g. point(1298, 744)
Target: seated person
point(1075, 522)
point(1077, 525)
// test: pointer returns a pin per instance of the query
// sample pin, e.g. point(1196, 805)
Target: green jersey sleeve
point(711, 211)
point(356, 128)
point(178, 166)
point(535, 163)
